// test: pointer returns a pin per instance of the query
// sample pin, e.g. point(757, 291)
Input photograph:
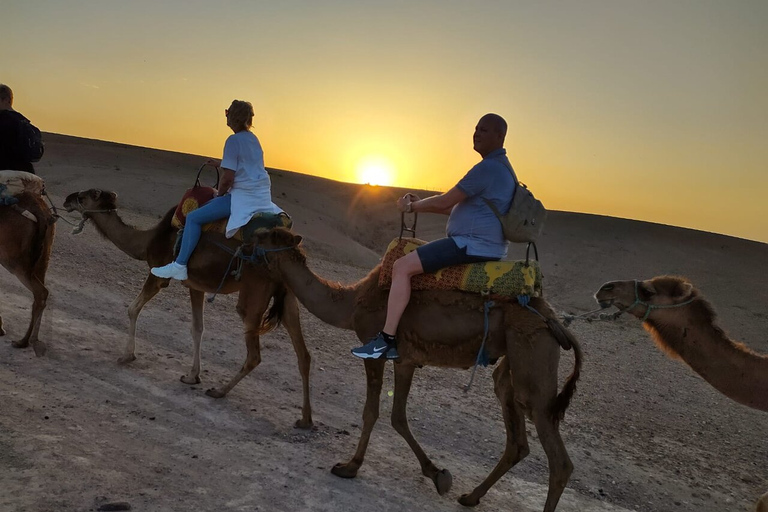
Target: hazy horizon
point(653, 111)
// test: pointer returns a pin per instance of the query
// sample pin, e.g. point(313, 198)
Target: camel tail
point(563, 400)
point(274, 314)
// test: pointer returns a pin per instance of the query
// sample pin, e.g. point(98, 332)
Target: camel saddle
point(260, 221)
point(14, 183)
point(501, 278)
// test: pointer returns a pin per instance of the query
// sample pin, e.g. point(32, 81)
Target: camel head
point(640, 297)
point(279, 244)
point(91, 200)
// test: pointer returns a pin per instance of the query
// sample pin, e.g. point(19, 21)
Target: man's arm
point(442, 203)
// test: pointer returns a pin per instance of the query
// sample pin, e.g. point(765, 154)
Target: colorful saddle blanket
point(261, 221)
point(508, 278)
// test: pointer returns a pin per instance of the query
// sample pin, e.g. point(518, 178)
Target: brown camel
point(25, 249)
point(445, 328)
point(206, 268)
point(682, 324)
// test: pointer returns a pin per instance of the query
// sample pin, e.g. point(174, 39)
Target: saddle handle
point(528, 251)
point(404, 226)
point(197, 180)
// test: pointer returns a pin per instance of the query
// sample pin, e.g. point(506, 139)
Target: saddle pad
point(508, 278)
point(15, 182)
point(196, 197)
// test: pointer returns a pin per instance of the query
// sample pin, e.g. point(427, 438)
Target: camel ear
point(297, 240)
point(683, 291)
point(645, 290)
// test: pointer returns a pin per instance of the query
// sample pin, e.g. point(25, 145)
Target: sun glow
point(375, 170)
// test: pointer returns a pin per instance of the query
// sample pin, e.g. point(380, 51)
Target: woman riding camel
point(244, 189)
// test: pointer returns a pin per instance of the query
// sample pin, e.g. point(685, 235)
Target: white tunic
point(251, 191)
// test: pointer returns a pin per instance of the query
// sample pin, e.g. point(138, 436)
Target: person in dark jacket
point(12, 156)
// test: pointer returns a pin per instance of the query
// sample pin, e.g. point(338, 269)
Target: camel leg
point(152, 285)
point(560, 465)
point(403, 377)
point(2, 331)
point(251, 306)
point(40, 295)
point(516, 448)
point(197, 300)
point(374, 372)
point(292, 324)
point(536, 387)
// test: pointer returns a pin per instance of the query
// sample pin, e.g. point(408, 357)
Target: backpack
point(525, 218)
point(31, 145)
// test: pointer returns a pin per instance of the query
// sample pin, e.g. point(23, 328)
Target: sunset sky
point(650, 110)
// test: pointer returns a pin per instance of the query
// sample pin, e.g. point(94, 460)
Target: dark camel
point(445, 328)
point(206, 268)
point(25, 249)
point(682, 324)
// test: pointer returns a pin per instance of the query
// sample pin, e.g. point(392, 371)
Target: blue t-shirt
point(472, 223)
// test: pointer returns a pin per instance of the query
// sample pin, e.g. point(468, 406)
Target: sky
point(652, 110)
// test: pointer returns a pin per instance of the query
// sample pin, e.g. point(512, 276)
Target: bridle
point(650, 307)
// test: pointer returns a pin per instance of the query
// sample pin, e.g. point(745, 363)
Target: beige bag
point(16, 182)
point(525, 219)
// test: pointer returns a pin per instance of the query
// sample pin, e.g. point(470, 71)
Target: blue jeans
point(215, 209)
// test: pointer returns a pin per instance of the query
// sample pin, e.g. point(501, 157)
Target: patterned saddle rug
point(507, 278)
point(198, 196)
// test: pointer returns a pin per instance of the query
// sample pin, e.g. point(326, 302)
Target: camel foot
point(190, 380)
point(2, 331)
point(443, 481)
point(303, 424)
point(215, 393)
point(468, 500)
point(40, 348)
point(20, 344)
point(345, 470)
point(126, 359)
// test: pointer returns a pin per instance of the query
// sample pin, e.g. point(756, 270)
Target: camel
point(445, 328)
point(206, 268)
point(682, 324)
point(25, 250)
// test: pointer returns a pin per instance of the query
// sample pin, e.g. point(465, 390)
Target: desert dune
point(78, 431)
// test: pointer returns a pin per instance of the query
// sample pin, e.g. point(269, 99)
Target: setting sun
point(375, 170)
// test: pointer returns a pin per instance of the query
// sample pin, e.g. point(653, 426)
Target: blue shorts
point(444, 253)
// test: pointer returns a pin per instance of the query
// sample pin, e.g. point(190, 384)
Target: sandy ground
point(78, 431)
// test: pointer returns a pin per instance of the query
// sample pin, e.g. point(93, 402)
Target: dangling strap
point(482, 355)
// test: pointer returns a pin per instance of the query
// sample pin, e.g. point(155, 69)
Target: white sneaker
point(172, 270)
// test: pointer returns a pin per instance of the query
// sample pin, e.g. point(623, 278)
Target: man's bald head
point(489, 134)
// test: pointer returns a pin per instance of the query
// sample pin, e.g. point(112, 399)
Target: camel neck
point(729, 367)
point(330, 302)
point(132, 241)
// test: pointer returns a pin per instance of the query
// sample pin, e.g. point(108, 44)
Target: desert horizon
point(53, 137)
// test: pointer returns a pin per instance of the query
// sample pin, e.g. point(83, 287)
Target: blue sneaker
point(376, 348)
